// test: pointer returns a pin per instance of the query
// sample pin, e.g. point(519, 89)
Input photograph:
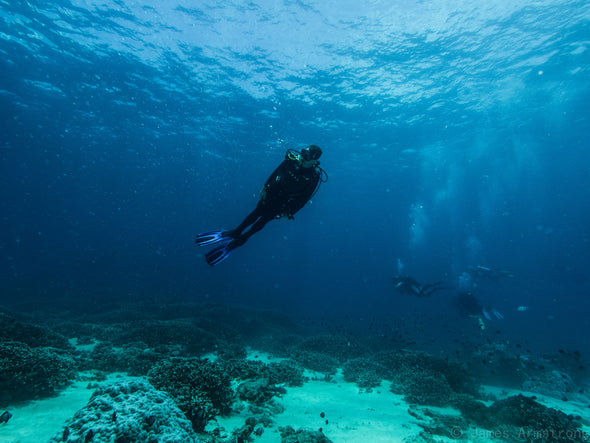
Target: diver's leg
point(433, 287)
point(249, 220)
point(257, 226)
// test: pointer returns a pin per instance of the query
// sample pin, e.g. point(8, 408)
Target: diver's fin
point(219, 254)
point(213, 237)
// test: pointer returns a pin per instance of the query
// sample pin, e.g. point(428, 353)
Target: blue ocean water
point(455, 134)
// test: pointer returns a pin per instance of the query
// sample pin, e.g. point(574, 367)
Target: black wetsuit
point(285, 192)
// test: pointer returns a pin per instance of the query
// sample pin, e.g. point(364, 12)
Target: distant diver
point(286, 191)
point(467, 304)
point(480, 271)
point(410, 286)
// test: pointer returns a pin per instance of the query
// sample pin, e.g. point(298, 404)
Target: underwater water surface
point(455, 135)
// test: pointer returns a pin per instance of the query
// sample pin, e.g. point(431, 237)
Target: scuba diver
point(286, 191)
point(466, 302)
point(480, 272)
point(468, 305)
point(410, 286)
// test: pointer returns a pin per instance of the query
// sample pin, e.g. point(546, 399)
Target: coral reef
point(290, 435)
point(128, 411)
point(364, 372)
point(259, 391)
point(132, 358)
point(425, 379)
point(30, 334)
point(449, 426)
point(335, 346)
point(27, 373)
point(285, 371)
point(201, 388)
point(424, 388)
point(193, 339)
point(243, 369)
point(316, 361)
point(523, 418)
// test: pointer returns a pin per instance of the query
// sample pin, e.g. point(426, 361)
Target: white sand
point(353, 415)
point(39, 420)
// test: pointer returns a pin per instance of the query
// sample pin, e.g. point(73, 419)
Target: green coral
point(201, 388)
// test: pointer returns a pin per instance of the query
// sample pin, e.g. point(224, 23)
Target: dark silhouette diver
point(410, 286)
point(467, 304)
point(286, 191)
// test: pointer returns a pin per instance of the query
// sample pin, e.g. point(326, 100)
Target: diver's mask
point(310, 156)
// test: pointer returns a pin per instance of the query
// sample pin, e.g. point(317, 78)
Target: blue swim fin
point(213, 237)
point(220, 253)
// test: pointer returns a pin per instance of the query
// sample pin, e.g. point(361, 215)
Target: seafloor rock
point(201, 388)
point(290, 435)
point(556, 384)
point(27, 373)
point(128, 411)
point(495, 364)
point(524, 419)
point(364, 372)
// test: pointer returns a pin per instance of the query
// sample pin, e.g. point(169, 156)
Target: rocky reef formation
point(128, 411)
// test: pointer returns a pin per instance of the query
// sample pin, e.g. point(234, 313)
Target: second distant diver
point(286, 191)
point(410, 286)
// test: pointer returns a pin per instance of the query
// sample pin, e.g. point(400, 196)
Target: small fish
point(522, 308)
point(5, 417)
point(259, 431)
